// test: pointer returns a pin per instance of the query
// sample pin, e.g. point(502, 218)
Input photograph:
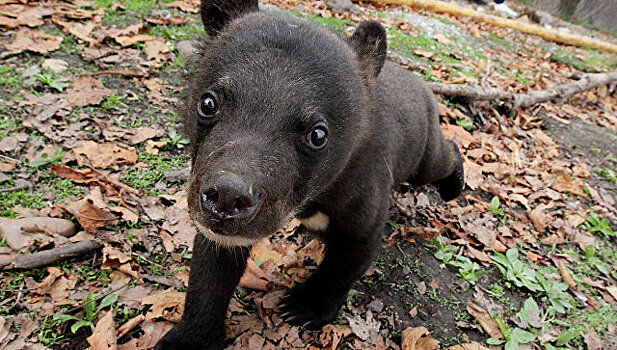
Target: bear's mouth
point(224, 239)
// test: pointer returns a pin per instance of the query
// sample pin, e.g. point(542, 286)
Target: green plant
point(55, 158)
point(467, 269)
point(90, 312)
point(494, 207)
point(50, 79)
point(515, 270)
point(114, 102)
point(175, 139)
point(594, 261)
point(467, 124)
point(555, 294)
point(595, 224)
point(47, 333)
point(3, 242)
point(608, 174)
point(513, 336)
point(443, 252)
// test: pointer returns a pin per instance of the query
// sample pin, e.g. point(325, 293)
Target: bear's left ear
point(216, 14)
point(369, 43)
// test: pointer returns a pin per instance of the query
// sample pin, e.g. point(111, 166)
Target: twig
point(115, 72)
point(117, 184)
point(46, 257)
point(402, 208)
point(488, 71)
point(11, 189)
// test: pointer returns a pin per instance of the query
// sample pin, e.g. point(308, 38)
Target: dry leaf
point(331, 335)
point(85, 91)
point(470, 346)
point(33, 40)
point(104, 335)
point(567, 277)
point(168, 304)
point(489, 325)
point(418, 339)
point(103, 155)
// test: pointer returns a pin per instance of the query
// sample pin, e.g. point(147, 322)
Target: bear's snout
point(227, 197)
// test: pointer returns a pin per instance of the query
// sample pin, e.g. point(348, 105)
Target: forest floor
point(526, 258)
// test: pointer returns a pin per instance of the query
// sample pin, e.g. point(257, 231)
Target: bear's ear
point(216, 14)
point(369, 43)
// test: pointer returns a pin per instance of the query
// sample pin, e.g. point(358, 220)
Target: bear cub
point(287, 119)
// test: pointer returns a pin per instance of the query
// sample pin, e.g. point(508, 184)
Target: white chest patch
point(318, 222)
point(225, 241)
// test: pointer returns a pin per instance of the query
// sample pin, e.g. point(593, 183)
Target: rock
point(55, 65)
point(342, 6)
point(186, 49)
point(30, 71)
point(178, 175)
point(269, 7)
point(17, 238)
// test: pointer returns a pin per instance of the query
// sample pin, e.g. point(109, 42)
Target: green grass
point(337, 25)
point(189, 30)
point(146, 178)
point(19, 197)
point(405, 45)
point(9, 77)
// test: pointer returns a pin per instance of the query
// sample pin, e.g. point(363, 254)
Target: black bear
point(287, 119)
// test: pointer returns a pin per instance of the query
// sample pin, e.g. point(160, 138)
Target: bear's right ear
point(216, 14)
point(369, 43)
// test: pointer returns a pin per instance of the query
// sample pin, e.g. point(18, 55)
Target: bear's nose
point(228, 197)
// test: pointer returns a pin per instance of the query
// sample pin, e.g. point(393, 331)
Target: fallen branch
point(31, 261)
point(585, 83)
point(11, 189)
point(115, 72)
point(515, 101)
point(524, 27)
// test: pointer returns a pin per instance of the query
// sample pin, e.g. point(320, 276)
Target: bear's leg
point(451, 186)
point(442, 166)
point(350, 249)
point(215, 273)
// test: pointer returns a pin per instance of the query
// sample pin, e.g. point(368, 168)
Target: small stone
point(55, 65)
point(30, 71)
point(342, 6)
point(186, 49)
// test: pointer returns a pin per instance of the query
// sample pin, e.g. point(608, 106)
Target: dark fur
point(278, 75)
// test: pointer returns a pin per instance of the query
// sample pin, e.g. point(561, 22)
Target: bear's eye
point(317, 138)
point(208, 105)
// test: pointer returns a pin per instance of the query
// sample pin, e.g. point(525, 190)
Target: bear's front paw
point(310, 307)
point(182, 340)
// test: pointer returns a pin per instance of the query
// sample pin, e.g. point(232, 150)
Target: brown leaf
point(176, 20)
point(489, 325)
point(103, 155)
point(470, 346)
point(186, 5)
point(85, 91)
point(104, 335)
point(567, 277)
point(90, 216)
point(12, 16)
point(154, 49)
point(458, 134)
point(418, 339)
point(130, 324)
point(33, 40)
point(119, 260)
point(142, 134)
point(126, 40)
point(82, 176)
point(49, 280)
point(331, 335)
point(168, 304)
point(593, 342)
point(564, 184)
point(473, 174)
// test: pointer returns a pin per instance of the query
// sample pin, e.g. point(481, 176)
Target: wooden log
point(524, 27)
point(46, 257)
